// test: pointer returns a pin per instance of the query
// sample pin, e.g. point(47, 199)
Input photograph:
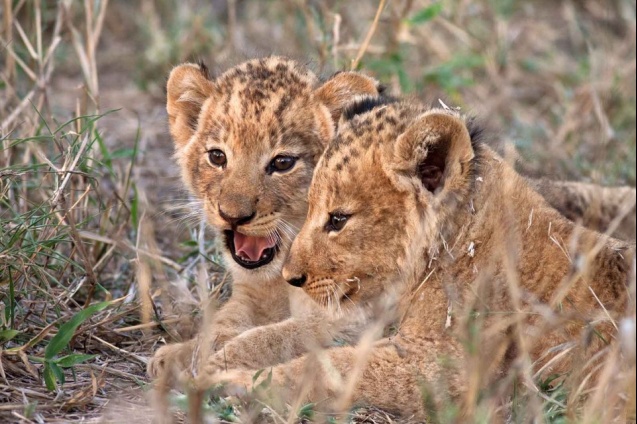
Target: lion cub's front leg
point(231, 320)
point(180, 356)
point(387, 376)
point(272, 344)
point(248, 307)
point(309, 329)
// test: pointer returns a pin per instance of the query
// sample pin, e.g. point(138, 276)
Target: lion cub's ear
point(188, 88)
point(436, 147)
point(339, 91)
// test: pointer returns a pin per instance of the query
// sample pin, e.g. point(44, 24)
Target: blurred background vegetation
point(556, 76)
point(91, 207)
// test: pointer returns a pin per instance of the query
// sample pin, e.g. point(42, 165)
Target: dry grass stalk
point(9, 61)
point(368, 37)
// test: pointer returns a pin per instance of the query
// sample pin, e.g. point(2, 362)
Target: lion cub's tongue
point(251, 248)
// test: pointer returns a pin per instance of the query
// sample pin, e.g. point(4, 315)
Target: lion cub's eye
point(281, 164)
point(217, 158)
point(336, 222)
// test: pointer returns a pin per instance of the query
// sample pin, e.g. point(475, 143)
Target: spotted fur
point(439, 222)
point(253, 113)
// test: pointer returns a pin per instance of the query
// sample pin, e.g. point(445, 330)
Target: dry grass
point(87, 186)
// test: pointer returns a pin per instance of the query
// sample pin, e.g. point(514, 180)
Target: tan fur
point(605, 209)
point(477, 241)
point(254, 112)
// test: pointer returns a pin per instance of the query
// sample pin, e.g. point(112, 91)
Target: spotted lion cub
point(247, 143)
point(408, 203)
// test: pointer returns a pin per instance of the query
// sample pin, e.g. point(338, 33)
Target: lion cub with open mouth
point(409, 208)
point(247, 142)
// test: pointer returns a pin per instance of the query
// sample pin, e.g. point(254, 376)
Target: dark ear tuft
point(363, 105)
point(476, 130)
point(204, 69)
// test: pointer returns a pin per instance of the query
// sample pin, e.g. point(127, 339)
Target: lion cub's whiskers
point(288, 229)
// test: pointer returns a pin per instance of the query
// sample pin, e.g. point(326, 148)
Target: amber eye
point(281, 164)
point(336, 222)
point(217, 157)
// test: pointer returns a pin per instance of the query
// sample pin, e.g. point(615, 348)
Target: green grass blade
point(71, 360)
point(6, 335)
point(66, 331)
point(49, 377)
point(426, 14)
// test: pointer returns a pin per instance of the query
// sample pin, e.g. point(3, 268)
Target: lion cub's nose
point(235, 221)
point(293, 276)
point(297, 281)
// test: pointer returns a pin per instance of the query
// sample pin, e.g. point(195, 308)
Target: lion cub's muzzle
point(325, 291)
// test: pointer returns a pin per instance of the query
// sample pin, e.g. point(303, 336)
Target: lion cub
point(247, 142)
point(409, 207)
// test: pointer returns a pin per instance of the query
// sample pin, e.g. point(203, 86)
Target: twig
point(75, 236)
point(9, 63)
point(146, 325)
point(108, 370)
point(336, 38)
point(128, 245)
point(138, 358)
point(370, 34)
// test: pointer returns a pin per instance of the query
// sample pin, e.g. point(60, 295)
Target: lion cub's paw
point(235, 382)
point(177, 355)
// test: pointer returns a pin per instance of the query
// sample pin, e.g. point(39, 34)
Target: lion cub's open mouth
point(251, 252)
